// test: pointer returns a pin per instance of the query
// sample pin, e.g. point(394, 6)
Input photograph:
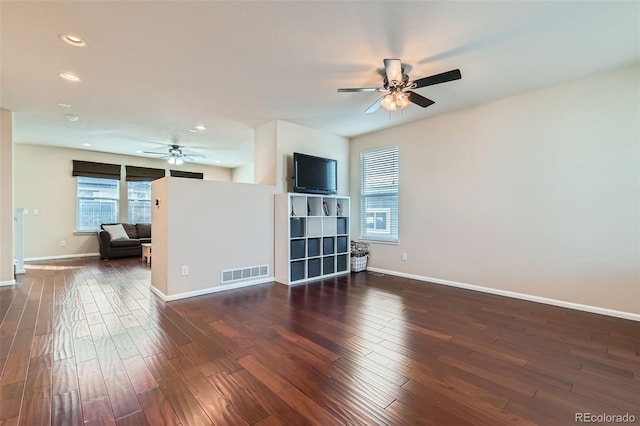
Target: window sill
point(84, 232)
point(373, 241)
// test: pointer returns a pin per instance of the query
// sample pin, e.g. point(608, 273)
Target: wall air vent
point(249, 272)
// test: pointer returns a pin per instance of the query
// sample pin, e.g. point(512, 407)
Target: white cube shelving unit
point(312, 237)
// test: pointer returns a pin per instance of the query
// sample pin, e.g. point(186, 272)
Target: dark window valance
point(96, 170)
point(192, 175)
point(143, 173)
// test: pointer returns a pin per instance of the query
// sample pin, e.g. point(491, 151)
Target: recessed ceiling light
point(217, 161)
point(200, 127)
point(72, 117)
point(69, 76)
point(193, 130)
point(86, 144)
point(73, 40)
point(139, 151)
point(63, 105)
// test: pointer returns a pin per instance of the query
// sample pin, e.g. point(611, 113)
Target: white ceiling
point(153, 70)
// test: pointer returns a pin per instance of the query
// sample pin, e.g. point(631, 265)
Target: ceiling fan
point(399, 88)
point(175, 155)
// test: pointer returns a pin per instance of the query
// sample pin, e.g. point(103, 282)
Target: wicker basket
point(359, 256)
point(359, 264)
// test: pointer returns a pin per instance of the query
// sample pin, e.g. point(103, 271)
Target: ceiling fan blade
point(361, 89)
point(155, 153)
point(375, 106)
point(437, 79)
point(393, 68)
point(419, 99)
point(195, 155)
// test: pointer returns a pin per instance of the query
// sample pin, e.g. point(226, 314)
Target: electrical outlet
point(185, 270)
point(63, 243)
point(36, 212)
point(403, 256)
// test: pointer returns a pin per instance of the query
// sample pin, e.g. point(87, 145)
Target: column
point(6, 197)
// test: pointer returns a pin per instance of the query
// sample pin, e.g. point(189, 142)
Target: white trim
point(372, 241)
point(209, 290)
point(319, 277)
point(63, 256)
point(555, 302)
point(7, 283)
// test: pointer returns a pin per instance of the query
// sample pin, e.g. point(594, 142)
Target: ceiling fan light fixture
point(395, 100)
point(388, 103)
point(69, 76)
point(73, 40)
point(179, 161)
point(402, 100)
point(171, 160)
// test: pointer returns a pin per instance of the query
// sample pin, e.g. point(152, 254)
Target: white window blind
point(379, 170)
point(98, 202)
point(139, 201)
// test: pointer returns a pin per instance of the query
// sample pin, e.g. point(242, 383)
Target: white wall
point(243, 174)
point(264, 154)
point(535, 194)
point(209, 227)
point(43, 181)
point(294, 138)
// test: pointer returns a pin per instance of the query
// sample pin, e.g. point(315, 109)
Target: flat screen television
point(314, 175)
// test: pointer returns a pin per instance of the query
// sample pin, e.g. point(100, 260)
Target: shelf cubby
point(298, 206)
point(297, 228)
point(313, 247)
point(314, 227)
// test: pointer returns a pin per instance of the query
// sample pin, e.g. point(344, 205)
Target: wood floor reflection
point(85, 342)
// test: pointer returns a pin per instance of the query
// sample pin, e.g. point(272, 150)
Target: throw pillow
point(117, 232)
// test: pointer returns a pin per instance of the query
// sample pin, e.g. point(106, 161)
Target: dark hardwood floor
point(84, 341)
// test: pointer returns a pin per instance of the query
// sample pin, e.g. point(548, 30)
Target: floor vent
point(231, 275)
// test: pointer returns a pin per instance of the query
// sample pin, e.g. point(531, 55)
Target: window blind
point(139, 201)
point(138, 174)
point(379, 173)
point(96, 170)
point(192, 175)
point(97, 202)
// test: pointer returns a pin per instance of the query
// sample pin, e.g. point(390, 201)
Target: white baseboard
point(7, 283)
point(63, 256)
point(515, 295)
point(209, 290)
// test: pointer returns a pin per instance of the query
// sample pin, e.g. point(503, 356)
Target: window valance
point(134, 173)
point(183, 174)
point(96, 170)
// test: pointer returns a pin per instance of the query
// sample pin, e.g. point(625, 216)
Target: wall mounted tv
point(314, 175)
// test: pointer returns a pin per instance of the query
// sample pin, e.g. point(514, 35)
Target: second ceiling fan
point(399, 88)
point(175, 155)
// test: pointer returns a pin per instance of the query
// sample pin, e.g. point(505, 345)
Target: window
point(98, 202)
point(379, 171)
point(139, 196)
